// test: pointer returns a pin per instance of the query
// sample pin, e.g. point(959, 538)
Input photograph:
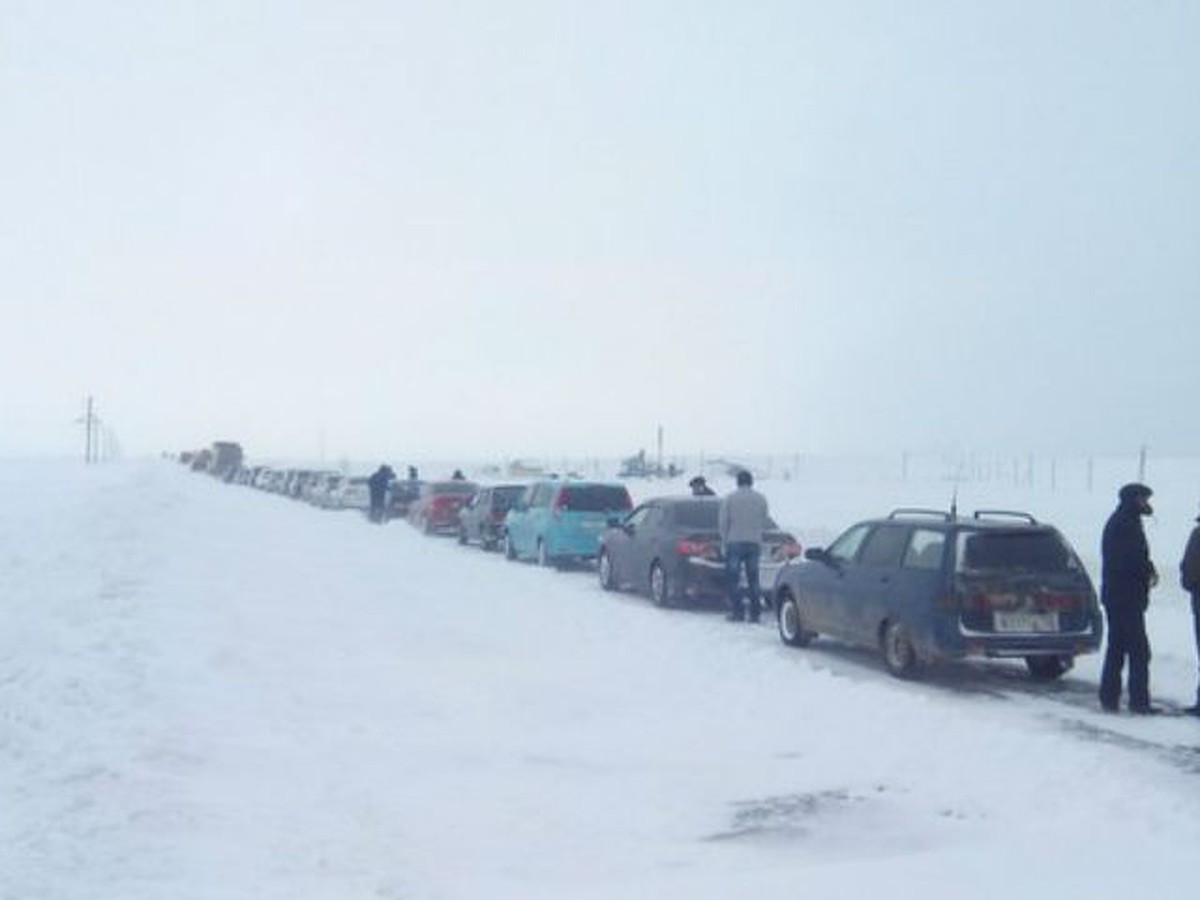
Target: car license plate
point(1026, 623)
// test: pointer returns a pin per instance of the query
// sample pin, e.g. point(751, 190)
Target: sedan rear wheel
point(605, 570)
point(660, 586)
point(791, 623)
point(898, 653)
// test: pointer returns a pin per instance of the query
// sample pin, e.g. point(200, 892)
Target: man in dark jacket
point(700, 487)
point(1189, 572)
point(1127, 574)
point(377, 486)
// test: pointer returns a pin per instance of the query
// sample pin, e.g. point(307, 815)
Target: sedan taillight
point(706, 549)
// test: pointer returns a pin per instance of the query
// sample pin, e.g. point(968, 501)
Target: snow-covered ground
point(210, 692)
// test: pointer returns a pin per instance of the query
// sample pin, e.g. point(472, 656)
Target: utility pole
point(89, 425)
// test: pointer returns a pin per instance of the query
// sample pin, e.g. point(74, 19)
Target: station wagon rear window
point(595, 498)
point(1026, 551)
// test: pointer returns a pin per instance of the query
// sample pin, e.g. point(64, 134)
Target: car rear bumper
point(708, 578)
point(963, 642)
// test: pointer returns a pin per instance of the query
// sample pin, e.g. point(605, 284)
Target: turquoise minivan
point(561, 522)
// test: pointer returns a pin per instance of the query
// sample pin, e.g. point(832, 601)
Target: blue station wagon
point(559, 522)
point(923, 586)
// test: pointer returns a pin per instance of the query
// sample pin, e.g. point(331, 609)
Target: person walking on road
point(742, 519)
point(1189, 572)
point(1127, 575)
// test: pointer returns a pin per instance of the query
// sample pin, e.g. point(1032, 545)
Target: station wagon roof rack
point(1005, 514)
point(918, 511)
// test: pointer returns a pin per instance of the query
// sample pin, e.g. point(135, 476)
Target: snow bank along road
point(208, 692)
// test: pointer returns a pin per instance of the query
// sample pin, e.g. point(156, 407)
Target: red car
point(436, 509)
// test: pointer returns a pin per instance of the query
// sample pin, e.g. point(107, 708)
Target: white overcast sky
point(488, 229)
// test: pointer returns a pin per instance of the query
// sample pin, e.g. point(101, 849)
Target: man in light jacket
point(742, 520)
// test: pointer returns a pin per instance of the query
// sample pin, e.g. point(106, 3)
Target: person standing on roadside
point(1127, 574)
point(742, 519)
point(700, 487)
point(377, 486)
point(1189, 576)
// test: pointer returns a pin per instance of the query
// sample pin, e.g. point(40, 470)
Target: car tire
point(791, 622)
point(1048, 668)
point(660, 585)
point(605, 571)
point(899, 655)
point(510, 552)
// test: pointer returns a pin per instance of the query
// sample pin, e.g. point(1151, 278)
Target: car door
point(472, 513)
point(870, 582)
point(822, 582)
point(620, 543)
point(919, 582)
point(644, 547)
point(537, 518)
point(517, 522)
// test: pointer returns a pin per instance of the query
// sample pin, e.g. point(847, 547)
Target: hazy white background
point(389, 229)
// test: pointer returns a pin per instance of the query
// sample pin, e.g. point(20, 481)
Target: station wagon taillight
point(1049, 602)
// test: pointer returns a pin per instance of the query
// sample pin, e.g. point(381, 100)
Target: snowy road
point(208, 692)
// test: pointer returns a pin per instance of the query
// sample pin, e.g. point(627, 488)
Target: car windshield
point(595, 498)
point(1036, 551)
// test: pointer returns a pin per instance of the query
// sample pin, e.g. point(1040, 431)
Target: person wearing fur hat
point(1127, 574)
point(1189, 576)
point(700, 487)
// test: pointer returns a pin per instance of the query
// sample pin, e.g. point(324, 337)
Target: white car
point(316, 489)
point(351, 493)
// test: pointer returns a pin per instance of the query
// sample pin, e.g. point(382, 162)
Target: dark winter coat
point(1126, 569)
point(378, 482)
point(1189, 569)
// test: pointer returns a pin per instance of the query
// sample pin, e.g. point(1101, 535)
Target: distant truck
point(226, 459)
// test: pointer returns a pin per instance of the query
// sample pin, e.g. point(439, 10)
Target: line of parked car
point(918, 585)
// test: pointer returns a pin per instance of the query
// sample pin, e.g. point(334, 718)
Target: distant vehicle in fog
point(350, 493)
point(482, 519)
point(436, 507)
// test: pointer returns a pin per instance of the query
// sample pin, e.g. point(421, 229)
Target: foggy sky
point(527, 228)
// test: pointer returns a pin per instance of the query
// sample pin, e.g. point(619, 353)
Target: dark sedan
point(670, 549)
